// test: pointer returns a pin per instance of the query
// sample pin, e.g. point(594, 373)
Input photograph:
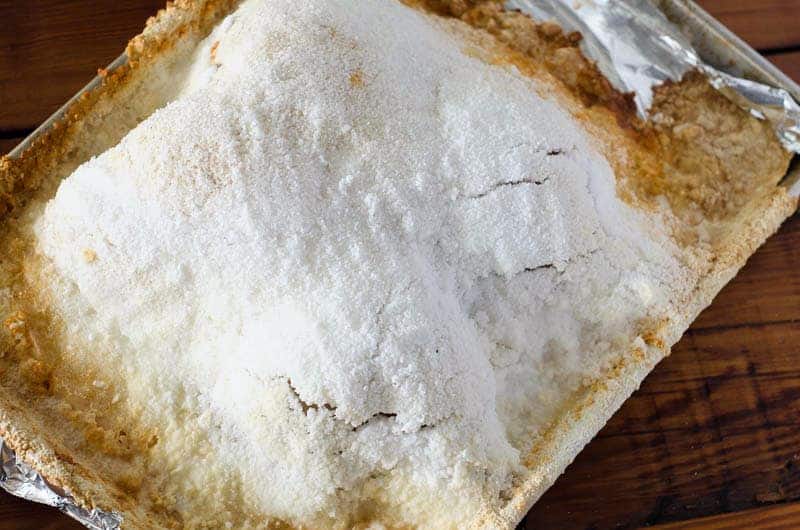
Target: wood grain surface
point(768, 25)
point(710, 441)
point(776, 517)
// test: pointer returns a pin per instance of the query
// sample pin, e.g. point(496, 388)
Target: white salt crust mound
point(370, 264)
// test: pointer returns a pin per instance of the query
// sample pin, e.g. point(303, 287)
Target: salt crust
point(372, 264)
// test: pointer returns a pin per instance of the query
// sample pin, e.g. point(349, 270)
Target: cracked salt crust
point(368, 293)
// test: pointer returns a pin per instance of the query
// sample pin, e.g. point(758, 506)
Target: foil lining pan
point(637, 47)
point(18, 478)
point(637, 44)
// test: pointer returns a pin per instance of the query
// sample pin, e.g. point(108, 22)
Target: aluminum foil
point(637, 47)
point(18, 478)
point(634, 45)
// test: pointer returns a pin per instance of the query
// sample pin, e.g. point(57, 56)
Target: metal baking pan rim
point(54, 118)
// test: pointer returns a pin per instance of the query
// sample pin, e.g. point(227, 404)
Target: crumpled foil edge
point(20, 479)
point(637, 48)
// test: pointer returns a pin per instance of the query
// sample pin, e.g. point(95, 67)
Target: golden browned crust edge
point(22, 175)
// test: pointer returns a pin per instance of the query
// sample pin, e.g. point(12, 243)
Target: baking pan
point(715, 44)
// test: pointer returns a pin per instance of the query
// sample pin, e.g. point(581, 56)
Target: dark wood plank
point(764, 24)
point(49, 49)
point(9, 143)
point(779, 517)
point(19, 514)
point(788, 62)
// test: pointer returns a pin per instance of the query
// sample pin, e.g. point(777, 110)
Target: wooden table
point(712, 439)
